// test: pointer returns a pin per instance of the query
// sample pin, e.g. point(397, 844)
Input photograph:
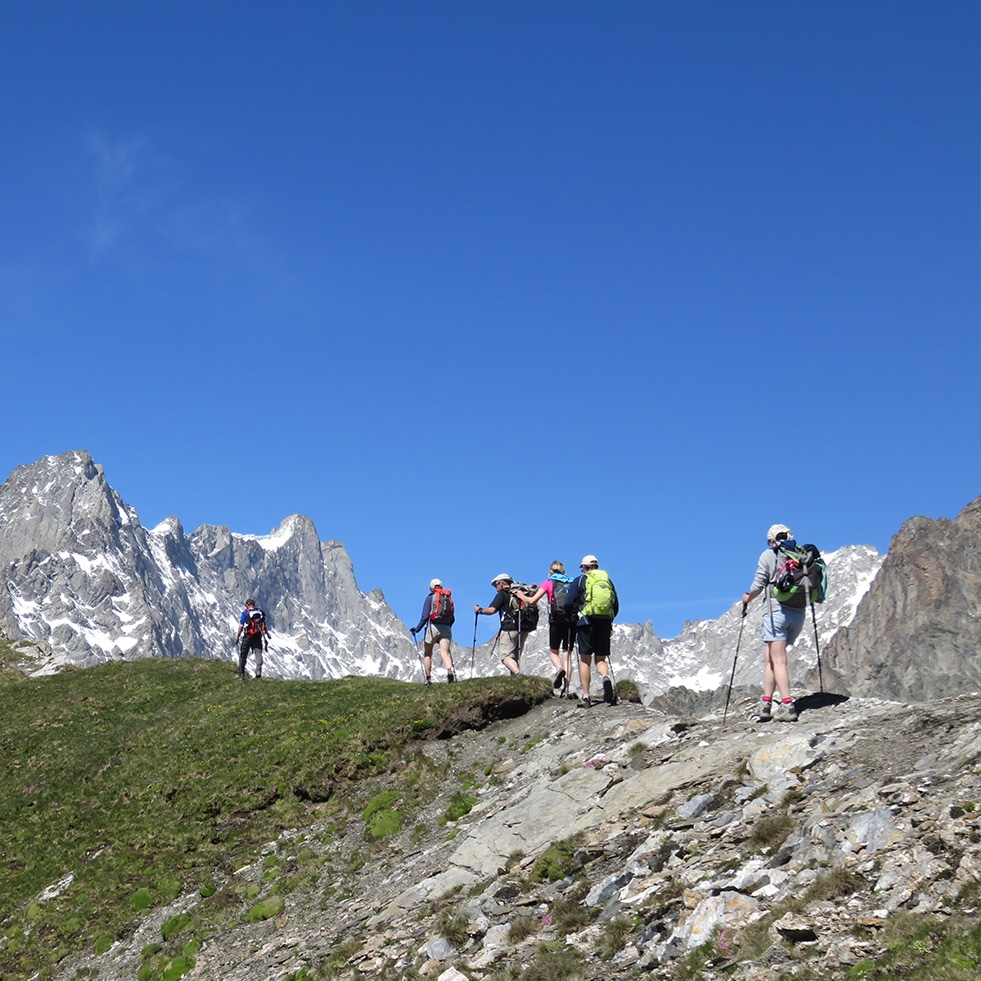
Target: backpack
point(255, 625)
point(522, 615)
point(561, 587)
point(598, 595)
point(801, 577)
point(442, 606)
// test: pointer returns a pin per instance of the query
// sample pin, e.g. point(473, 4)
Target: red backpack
point(442, 606)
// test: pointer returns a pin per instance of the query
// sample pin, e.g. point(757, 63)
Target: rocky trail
point(612, 842)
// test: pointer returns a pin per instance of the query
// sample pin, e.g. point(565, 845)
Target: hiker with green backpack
point(789, 577)
point(594, 597)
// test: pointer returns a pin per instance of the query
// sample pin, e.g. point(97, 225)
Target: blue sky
point(476, 286)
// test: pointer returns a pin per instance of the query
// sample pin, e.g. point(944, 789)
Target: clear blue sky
point(480, 285)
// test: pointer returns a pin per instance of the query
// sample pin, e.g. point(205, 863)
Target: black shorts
point(561, 636)
point(594, 638)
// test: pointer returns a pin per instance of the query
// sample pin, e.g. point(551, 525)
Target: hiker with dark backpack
point(252, 633)
point(789, 578)
point(594, 598)
point(518, 618)
point(561, 624)
point(437, 617)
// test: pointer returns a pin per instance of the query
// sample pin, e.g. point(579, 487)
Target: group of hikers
point(581, 611)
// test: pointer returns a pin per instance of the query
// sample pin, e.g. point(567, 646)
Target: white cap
point(775, 530)
point(433, 583)
point(504, 576)
point(588, 561)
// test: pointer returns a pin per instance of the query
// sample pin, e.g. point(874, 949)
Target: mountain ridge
point(86, 582)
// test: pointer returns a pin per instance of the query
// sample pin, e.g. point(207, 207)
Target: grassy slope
point(144, 779)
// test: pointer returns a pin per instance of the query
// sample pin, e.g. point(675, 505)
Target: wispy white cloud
point(142, 203)
point(127, 192)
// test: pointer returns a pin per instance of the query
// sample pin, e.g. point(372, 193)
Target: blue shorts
point(783, 623)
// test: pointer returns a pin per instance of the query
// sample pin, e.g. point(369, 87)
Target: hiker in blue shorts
point(781, 627)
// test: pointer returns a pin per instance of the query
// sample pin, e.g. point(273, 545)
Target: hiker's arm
point(427, 608)
point(535, 596)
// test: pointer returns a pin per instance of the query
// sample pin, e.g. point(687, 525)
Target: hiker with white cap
point(512, 634)
point(437, 617)
point(780, 629)
point(594, 597)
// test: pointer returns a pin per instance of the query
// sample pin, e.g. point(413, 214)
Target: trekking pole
point(817, 647)
point(421, 661)
point(473, 651)
point(739, 640)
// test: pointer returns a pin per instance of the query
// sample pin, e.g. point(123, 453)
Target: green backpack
point(599, 595)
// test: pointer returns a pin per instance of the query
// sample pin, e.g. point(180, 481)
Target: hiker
point(561, 625)
point(781, 627)
point(594, 597)
point(437, 617)
point(513, 632)
point(252, 633)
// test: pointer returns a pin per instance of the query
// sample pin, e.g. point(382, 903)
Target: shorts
point(512, 643)
point(435, 632)
point(782, 623)
point(561, 635)
point(594, 639)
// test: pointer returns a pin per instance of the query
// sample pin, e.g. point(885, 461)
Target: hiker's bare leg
point(602, 666)
point(775, 674)
point(427, 658)
point(444, 653)
point(584, 679)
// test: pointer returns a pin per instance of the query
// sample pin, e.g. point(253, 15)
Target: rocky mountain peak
point(917, 631)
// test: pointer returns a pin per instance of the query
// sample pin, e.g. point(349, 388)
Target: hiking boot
point(559, 680)
point(785, 712)
point(585, 702)
point(763, 713)
point(450, 676)
point(429, 680)
point(608, 695)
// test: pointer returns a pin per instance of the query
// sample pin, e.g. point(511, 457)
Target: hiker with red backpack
point(252, 633)
point(561, 625)
point(782, 624)
point(518, 618)
point(437, 617)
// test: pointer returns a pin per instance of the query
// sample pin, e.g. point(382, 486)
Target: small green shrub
point(771, 831)
point(452, 927)
point(383, 824)
point(460, 804)
point(141, 900)
point(265, 910)
point(521, 928)
point(555, 862)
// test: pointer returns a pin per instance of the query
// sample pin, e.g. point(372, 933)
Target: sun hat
point(589, 560)
point(503, 576)
point(775, 530)
point(435, 582)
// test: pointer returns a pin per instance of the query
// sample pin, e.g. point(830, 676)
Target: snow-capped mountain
point(86, 582)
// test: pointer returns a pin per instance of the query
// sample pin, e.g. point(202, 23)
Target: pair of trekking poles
point(739, 640)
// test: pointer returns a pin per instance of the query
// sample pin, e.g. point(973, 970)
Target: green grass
point(131, 783)
point(927, 948)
